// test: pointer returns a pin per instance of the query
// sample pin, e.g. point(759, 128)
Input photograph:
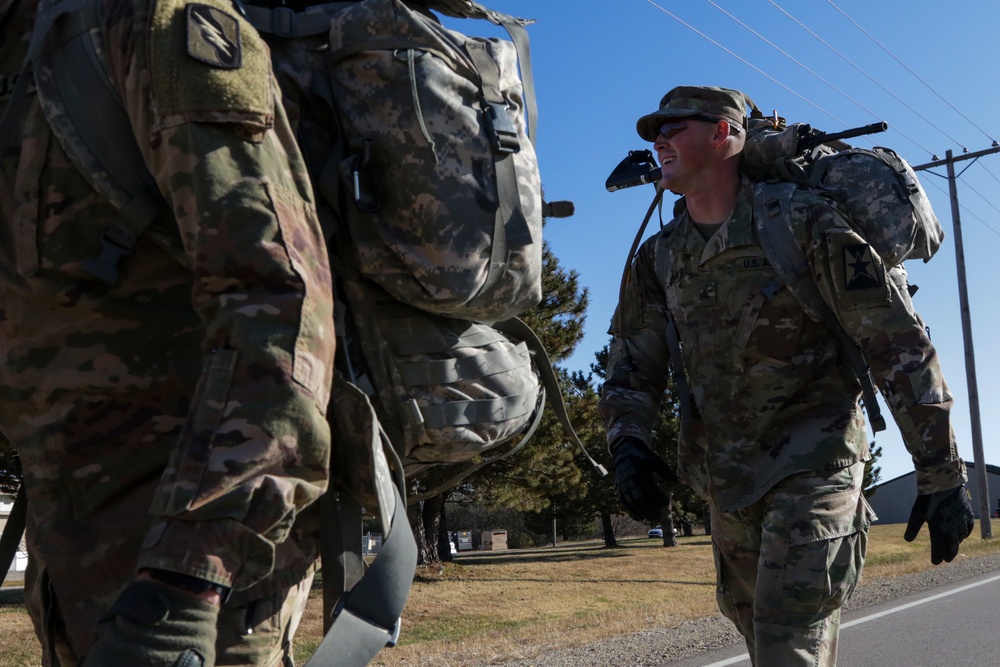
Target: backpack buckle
point(501, 129)
point(116, 243)
point(283, 22)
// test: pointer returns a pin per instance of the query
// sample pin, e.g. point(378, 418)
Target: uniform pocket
point(827, 546)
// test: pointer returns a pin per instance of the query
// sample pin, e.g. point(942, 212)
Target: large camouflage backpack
point(419, 140)
point(878, 189)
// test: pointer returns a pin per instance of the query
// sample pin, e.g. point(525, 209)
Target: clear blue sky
point(599, 65)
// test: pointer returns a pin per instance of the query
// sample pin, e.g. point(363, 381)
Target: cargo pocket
point(827, 546)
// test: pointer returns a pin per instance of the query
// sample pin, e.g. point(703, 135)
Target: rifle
point(639, 167)
point(809, 138)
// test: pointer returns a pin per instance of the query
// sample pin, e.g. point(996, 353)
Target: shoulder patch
point(213, 37)
point(208, 64)
point(860, 269)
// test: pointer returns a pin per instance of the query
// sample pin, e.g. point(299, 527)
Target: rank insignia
point(213, 37)
point(861, 271)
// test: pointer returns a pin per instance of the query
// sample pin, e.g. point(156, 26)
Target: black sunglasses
point(670, 130)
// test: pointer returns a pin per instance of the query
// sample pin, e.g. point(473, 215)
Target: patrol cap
point(685, 101)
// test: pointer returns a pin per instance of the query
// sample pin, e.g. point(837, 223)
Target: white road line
point(872, 617)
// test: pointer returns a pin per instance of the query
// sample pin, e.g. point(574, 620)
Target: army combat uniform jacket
point(175, 419)
point(771, 393)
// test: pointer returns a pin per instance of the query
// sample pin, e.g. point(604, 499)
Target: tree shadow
point(11, 597)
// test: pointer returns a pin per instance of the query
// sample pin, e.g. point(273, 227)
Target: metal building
point(893, 500)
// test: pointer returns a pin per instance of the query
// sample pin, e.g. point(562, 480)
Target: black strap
point(367, 617)
point(340, 552)
point(10, 540)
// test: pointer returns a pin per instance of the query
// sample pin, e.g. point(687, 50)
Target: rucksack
point(431, 202)
point(876, 188)
point(431, 366)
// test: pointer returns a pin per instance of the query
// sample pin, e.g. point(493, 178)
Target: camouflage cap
point(691, 101)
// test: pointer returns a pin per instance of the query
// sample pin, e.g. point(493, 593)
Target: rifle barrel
point(816, 140)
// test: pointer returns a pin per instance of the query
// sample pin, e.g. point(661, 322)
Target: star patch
point(213, 37)
point(860, 269)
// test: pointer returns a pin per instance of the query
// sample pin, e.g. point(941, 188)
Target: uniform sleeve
point(637, 371)
point(874, 306)
point(255, 448)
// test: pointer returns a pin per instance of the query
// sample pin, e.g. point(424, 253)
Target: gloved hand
point(155, 625)
point(635, 466)
point(949, 519)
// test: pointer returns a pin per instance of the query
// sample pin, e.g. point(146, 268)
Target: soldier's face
point(683, 147)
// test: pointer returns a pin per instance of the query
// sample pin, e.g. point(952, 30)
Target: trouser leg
point(736, 549)
point(808, 535)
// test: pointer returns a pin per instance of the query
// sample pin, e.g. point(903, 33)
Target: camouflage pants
point(255, 634)
point(786, 564)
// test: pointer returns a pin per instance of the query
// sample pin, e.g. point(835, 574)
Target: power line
point(803, 66)
point(746, 62)
point(768, 76)
point(927, 85)
point(789, 56)
point(870, 78)
point(937, 187)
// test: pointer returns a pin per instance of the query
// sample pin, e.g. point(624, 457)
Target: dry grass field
point(492, 605)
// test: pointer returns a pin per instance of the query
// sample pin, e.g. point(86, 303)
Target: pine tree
point(873, 473)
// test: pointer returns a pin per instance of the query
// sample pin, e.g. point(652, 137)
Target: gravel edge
point(655, 646)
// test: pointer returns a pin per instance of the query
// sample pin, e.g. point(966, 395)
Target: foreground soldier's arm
point(878, 314)
point(255, 448)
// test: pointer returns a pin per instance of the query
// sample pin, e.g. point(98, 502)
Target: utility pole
point(982, 488)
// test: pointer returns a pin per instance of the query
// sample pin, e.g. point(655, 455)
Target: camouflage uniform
point(175, 420)
point(777, 434)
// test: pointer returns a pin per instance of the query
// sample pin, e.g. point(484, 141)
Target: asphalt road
point(955, 625)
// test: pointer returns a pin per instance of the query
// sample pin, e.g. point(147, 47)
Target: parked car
point(657, 532)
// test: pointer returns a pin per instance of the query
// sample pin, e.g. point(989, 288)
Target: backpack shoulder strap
point(10, 540)
point(284, 22)
point(773, 221)
point(94, 130)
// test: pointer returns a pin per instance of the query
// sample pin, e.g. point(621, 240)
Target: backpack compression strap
point(10, 540)
point(773, 220)
point(517, 328)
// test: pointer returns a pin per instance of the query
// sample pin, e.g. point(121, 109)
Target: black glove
point(635, 466)
point(949, 519)
point(155, 625)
